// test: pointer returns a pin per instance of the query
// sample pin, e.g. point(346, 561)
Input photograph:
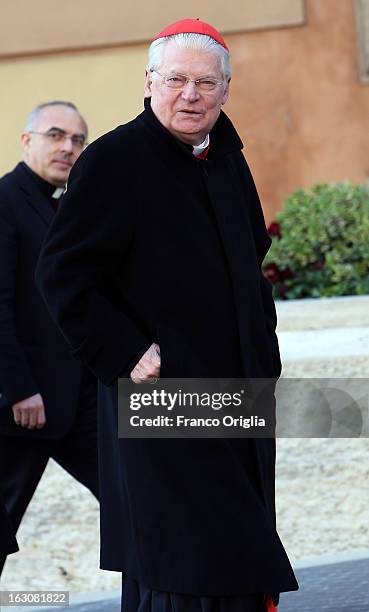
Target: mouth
point(190, 113)
point(62, 162)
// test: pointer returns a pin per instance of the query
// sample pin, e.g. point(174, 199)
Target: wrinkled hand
point(148, 368)
point(30, 412)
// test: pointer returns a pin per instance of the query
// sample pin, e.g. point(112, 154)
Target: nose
point(67, 145)
point(190, 92)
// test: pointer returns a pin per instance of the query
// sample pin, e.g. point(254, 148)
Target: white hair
point(189, 40)
point(31, 121)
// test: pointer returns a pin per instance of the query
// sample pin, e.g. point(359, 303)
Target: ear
point(148, 84)
point(226, 92)
point(25, 141)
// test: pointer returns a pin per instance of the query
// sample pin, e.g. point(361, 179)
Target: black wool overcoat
point(8, 543)
point(34, 356)
point(152, 245)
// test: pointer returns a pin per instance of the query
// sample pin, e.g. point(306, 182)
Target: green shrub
point(320, 243)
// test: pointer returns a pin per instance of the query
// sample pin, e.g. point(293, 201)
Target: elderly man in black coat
point(152, 268)
point(47, 399)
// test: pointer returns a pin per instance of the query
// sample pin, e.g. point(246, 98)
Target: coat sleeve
point(83, 252)
point(262, 245)
point(16, 380)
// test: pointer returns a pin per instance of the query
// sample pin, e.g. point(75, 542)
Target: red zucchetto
point(193, 26)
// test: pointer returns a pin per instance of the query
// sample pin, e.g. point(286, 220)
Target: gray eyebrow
point(58, 129)
point(205, 76)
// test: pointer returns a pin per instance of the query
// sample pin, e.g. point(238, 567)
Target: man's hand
point(148, 368)
point(30, 412)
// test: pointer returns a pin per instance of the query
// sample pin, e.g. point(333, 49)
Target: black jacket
point(34, 355)
point(151, 244)
point(8, 543)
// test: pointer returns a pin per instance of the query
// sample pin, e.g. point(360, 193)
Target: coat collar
point(223, 137)
point(35, 197)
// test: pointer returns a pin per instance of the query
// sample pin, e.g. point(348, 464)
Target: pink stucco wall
point(298, 102)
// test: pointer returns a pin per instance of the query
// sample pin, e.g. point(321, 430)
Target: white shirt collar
point(58, 193)
point(198, 149)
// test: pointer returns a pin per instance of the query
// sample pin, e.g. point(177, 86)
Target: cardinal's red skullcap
point(193, 26)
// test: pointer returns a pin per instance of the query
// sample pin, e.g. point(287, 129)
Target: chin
point(187, 138)
point(190, 135)
point(189, 129)
point(58, 181)
point(61, 176)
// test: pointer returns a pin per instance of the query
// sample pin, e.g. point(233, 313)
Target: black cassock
point(153, 245)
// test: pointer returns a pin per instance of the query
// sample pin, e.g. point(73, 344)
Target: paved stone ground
point(337, 587)
point(340, 587)
point(323, 313)
point(110, 605)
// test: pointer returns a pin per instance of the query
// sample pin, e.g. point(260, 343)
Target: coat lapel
point(236, 236)
point(35, 198)
point(41, 206)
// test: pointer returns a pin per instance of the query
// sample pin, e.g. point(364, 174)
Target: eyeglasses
point(54, 135)
point(179, 81)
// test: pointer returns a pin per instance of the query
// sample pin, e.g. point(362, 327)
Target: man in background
point(47, 399)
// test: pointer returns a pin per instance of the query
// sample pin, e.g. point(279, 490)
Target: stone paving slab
point(339, 587)
point(335, 587)
point(333, 343)
point(110, 605)
point(323, 313)
point(102, 605)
